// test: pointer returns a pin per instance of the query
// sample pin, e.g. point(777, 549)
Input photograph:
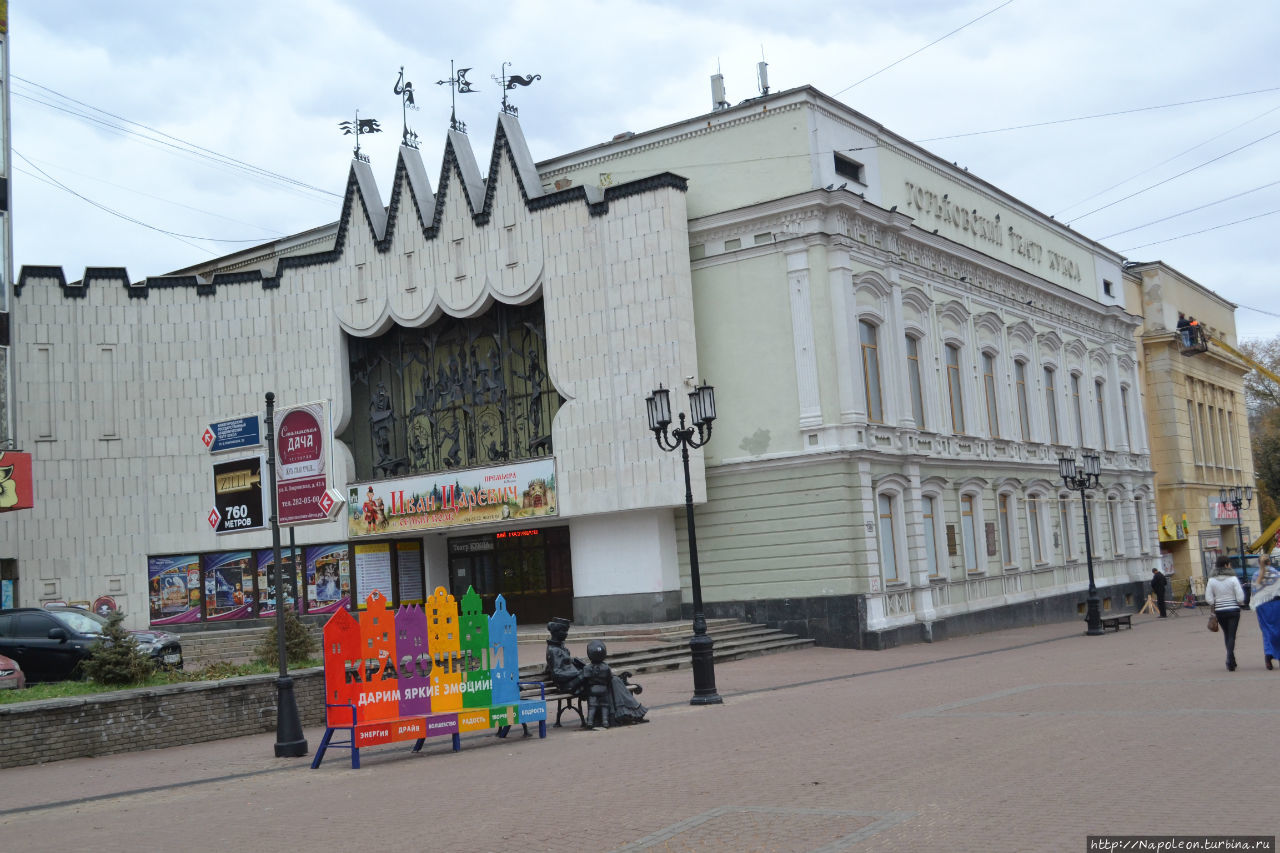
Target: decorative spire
point(458, 85)
point(404, 89)
point(508, 82)
point(358, 127)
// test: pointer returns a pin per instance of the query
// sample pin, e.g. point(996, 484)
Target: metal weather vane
point(404, 89)
point(458, 85)
point(509, 82)
point(358, 127)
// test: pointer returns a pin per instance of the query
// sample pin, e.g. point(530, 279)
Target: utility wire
point(1175, 177)
point(1098, 115)
point(182, 144)
point(1189, 210)
point(926, 47)
point(1263, 114)
point(1204, 230)
point(126, 217)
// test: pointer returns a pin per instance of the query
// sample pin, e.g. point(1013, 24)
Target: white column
point(802, 338)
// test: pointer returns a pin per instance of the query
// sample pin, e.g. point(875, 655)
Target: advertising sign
point(452, 498)
point(328, 578)
point(235, 434)
point(302, 475)
point(238, 496)
point(228, 585)
point(16, 490)
point(266, 580)
point(1221, 512)
point(173, 585)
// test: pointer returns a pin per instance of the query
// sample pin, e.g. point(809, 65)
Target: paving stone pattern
point(1020, 740)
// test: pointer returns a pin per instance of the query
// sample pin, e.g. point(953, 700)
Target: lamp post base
point(289, 740)
point(1093, 617)
point(701, 648)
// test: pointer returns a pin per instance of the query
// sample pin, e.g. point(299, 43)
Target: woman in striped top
point(1225, 595)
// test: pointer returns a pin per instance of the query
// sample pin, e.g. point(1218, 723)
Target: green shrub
point(117, 660)
point(299, 644)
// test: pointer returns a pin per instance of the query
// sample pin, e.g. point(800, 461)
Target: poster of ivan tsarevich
point(520, 490)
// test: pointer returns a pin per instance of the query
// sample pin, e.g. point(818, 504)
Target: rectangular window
point(1024, 416)
point(1037, 547)
point(1231, 435)
point(1139, 512)
point(1051, 404)
point(1124, 410)
point(1064, 519)
point(1228, 455)
point(1006, 538)
point(1079, 412)
point(871, 371)
point(851, 169)
point(1096, 510)
point(1206, 437)
point(913, 379)
point(931, 535)
point(989, 385)
point(1113, 515)
point(1193, 426)
point(1100, 398)
point(953, 389)
point(969, 533)
point(888, 553)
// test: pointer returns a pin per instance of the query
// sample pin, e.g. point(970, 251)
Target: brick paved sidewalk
point(1028, 739)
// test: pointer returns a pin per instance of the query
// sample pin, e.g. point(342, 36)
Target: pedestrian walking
point(1158, 585)
point(1266, 605)
point(1225, 595)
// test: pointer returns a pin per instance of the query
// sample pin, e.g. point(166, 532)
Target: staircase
point(641, 649)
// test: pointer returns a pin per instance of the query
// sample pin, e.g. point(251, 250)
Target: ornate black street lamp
point(1238, 497)
point(1085, 479)
point(702, 405)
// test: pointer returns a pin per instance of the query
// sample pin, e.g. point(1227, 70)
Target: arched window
point(913, 381)
point(1008, 536)
point(1051, 403)
point(888, 539)
point(1024, 414)
point(1077, 409)
point(871, 371)
point(953, 389)
point(930, 518)
point(1066, 519)
point(989, 387)
point(1034, 522)
point(1100, 399)
point(969, 522)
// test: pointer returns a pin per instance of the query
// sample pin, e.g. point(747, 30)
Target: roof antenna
point(762, 73)
point(718, 101)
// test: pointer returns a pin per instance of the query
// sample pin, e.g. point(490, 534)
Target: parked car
point(49, 644)
point(11, 676)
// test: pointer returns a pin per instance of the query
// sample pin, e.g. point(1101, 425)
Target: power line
point(1099, 115)
point(182, 144)
point(126, 217)
point(1189, 210)
point(1204, 230)
point(1262, 114)
point(1175, 177)
point(926, 47)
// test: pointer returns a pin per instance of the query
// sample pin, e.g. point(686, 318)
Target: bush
point(117, 660)
point(299, 644)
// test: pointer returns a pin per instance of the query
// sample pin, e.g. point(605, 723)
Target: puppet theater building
point(900, 352)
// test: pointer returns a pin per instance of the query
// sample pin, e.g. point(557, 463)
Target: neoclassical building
point(900, 352)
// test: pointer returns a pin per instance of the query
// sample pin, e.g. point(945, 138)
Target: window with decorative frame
point(1034, 528)
point(1051, 403)
point(1124, 411)
point(1100, 398)
point(989, 387)
point(969, 522)
point(1007, 554)
point(1077, 408)
point(1116, 524)
point(1066, 522)
point(913, 381)
point(1024, 414)
point(1140, 513)
point(954, 393)
point(867, 333)
point(929, 517)
point(888, 537)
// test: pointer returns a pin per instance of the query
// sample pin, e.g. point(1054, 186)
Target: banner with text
point(520, 490)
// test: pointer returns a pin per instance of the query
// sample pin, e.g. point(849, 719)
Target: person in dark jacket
point(1158, 585)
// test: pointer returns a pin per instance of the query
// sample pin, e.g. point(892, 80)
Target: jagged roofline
point(450, 167)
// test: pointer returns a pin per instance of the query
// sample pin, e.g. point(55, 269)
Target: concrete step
point(733, 641)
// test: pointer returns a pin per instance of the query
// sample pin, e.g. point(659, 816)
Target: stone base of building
point(628, 609)
point(839, 621)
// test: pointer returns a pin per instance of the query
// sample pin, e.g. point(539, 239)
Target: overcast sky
point(266, 83)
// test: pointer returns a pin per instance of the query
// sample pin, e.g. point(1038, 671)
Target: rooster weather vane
point(458, 85)
point(404, 89)
point(358, 127)
point(509, 82)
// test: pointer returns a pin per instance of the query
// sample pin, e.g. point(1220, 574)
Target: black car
point(49, 644)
